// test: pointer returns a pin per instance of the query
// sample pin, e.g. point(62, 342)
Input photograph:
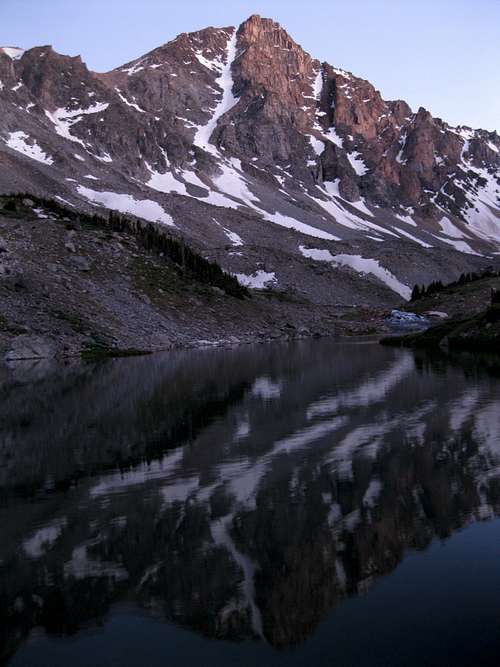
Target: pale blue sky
point(440, 54)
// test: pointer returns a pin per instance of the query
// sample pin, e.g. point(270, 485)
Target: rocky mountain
point(291, 173)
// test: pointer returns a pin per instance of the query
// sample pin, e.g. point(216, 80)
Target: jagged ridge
point(268, 159)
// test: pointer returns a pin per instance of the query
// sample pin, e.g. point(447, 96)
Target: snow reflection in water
point(242, 493)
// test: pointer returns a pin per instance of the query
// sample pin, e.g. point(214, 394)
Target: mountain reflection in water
point(240, 494)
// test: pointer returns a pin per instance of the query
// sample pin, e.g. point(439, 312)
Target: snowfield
point(360, 265)
point(142, 208)
point(227, 102)
point(18, 141)
point(64, 119)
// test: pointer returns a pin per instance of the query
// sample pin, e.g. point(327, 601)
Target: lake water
point(317, 503)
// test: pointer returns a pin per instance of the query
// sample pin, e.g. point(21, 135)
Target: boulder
point(28, 346)
point(80, 262)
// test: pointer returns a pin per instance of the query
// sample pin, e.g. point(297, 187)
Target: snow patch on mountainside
point(258, 280)
point(142, 208)
point(484, 214)
point(319, 254)
point(232, 236)
point(134, 105)
point(291, 223)
point(13, 52)
point(467, 135)
point(136, 67)
point(166, 182)
point(360, 265)
point(357, 163)
point(317, 88)
point(217, 199)
point(215, 64)
point(106, 157)
point(317, 145)
point(373, 267)
point(339, 214)
point(407, 219)
point(18, 141)
point(193, 179)
point(448, 228)
point(227, 102)
point(332, 187)
point(232, 182)
point(332, 136)
point(461, 246)
point(402, 143)
point(412, 238)
point(64, 119)
point(337, 208)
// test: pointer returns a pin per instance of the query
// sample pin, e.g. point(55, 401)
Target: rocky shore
point(470, 318)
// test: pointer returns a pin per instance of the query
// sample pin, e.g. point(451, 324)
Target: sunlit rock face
point(237, 132)
point(242, 494)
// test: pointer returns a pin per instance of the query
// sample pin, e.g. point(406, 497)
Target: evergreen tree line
point(151, 236)
point(495, 297)
point(419, 292)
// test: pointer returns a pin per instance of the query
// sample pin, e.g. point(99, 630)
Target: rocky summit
point(292, 174)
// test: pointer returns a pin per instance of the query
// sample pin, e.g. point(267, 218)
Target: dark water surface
point(318, 503)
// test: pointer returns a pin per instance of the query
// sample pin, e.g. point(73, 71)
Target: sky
point(443, 55)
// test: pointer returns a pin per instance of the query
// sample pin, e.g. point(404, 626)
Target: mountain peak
point(257, 19)
point(268, 36)
point(256, 27)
